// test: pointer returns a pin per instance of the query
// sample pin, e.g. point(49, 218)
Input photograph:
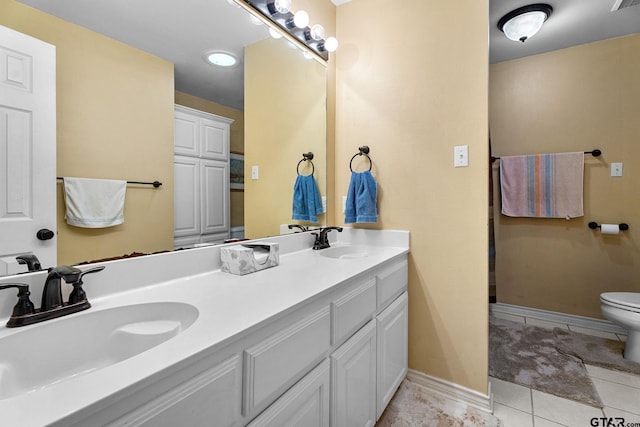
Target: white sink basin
point(57, 350)
point(350, 252)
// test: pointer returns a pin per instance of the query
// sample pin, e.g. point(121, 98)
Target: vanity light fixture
point(522, 23)
point(220, 58)
point(294, 26)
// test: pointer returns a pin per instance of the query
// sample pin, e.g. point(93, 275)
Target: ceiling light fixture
point(523, 23)
point(220, 58)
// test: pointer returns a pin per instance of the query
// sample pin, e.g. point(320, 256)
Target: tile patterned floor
point(519, 406)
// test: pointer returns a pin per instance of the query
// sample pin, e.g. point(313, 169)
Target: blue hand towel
point(306, 199)
point(361, 199)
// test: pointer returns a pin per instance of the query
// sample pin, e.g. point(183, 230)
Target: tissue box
point(249, 257)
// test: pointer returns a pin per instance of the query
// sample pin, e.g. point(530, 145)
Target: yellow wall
point(412, 82)
point(285, 109)
point(115, 107)
point(236, 143)
point(574, 99)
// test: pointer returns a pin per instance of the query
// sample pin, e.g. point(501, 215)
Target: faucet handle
point(78, 294)
point(24, 305)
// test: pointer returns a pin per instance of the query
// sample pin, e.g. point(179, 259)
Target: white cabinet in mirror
point(201, 177)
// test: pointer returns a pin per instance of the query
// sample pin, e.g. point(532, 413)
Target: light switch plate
point(616, 169)
point(461, 156)
point(254, 172)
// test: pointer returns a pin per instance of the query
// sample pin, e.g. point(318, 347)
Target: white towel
point(94, 203)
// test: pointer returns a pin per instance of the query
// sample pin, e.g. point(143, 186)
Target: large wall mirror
point(271, 128)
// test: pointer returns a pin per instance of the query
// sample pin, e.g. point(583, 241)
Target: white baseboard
point(554, 316)
point(453, 391)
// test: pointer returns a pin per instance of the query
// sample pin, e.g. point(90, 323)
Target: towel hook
point(362, 151)
point(306, 157)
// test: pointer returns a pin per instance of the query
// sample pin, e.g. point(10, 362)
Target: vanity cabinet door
point(353, 380)
point(392, 281)
point(392, 335)
point(277, 362)
point(352, 310)
point(304, 404)
point(211, 398)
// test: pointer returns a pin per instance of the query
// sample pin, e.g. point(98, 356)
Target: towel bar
point(594, 153)
point(156, 184)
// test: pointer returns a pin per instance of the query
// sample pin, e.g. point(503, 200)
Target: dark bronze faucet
point(301, 227)
point(24, 312)
point(32, 262)
point(322, 240)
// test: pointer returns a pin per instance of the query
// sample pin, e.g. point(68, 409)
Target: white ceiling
point(182, 31)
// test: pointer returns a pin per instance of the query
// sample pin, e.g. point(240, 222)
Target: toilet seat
point(629, 301)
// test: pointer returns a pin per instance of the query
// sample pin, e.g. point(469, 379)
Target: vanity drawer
point(353, 310)
point(278, 361)
point(392, 281)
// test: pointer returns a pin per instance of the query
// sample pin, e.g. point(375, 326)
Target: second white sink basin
point(350, 252)
point(57, 350)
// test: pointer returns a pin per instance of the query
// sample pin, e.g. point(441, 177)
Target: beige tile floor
point(519, 406)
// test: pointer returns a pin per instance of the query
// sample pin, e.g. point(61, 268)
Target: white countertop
point(229, 307)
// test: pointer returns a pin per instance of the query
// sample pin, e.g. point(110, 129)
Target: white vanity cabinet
point(334, 360)
point(368, 368)
point(201, 177)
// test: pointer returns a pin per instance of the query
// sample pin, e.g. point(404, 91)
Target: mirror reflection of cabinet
point(201, 177)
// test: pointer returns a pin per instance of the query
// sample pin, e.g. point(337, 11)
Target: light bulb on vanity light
point(279, 6)
point(330, 44)
point(316, 33)
point(301, 19)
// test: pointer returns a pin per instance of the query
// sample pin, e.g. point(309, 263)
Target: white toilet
point(623, 308)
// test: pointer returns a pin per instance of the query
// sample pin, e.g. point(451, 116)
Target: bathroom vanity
point(170, 340)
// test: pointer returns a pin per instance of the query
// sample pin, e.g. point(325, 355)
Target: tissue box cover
point(241, 259)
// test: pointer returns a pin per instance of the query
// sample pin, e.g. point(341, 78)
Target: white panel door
point(27, 149)
point(306, 404)
point(186, 134)
point(214, 198)
point(353, 380)
point(214, 137)
point(393, 343)
point(186, 196)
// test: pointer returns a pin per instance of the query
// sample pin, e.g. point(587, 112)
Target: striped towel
point(543, 185)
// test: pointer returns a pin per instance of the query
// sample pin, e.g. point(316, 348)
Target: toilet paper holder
point(623, 226)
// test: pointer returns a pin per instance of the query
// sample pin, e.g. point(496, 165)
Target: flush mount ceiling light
point(524, 22)
point(220, 58)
